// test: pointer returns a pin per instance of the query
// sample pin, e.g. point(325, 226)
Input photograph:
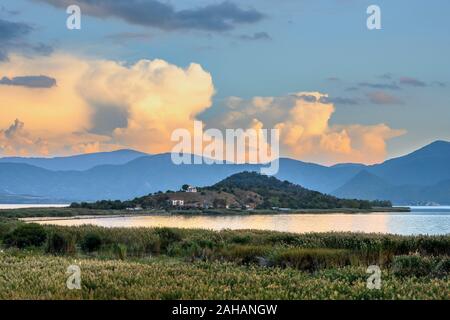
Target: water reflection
point(399, 223)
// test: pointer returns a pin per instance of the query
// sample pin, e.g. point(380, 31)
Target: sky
point(138, 70)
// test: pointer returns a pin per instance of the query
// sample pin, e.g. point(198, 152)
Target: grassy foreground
point(31, 276)
point(165, 263)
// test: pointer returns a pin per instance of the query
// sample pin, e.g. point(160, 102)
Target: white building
point(176, 203)
point(191, 189)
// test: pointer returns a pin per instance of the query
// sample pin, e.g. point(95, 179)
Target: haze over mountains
point(418, 178)
point(78, 162)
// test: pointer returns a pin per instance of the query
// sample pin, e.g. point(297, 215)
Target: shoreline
point(211, 214)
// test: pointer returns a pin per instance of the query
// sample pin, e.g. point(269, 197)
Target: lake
point(25, 206)
point(421, 220)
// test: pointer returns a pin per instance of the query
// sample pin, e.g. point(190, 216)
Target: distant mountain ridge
point(426, 166)
point(78, 162)
point(363, 185)
point(419, 177)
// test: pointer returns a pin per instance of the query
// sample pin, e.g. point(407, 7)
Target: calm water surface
point(422, 220)
point(24, 206)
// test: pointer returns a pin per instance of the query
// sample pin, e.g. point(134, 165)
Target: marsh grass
point(152, 240)
point(315, 259)
point(61, 243)
point(236, 245)
point(25, 235)
point(166, 263)
point(28, 275)
point(418, 266)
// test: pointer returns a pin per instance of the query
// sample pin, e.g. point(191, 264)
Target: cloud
point(325, 99)
point(306, 133)
point(380, 97)
point(407, 81)
point(15, 140)
point(13, 37)
point(9, 12)
point(152, 13)
point(10, 31)
point(42, 49)
point(391, 86)
point(106, 118)
point(156, 97)
point(340, 100)
point(103, 105)
point(129, 36)
point(404, 81)
point(256, 36)
point(3, 55)
point(29, 81)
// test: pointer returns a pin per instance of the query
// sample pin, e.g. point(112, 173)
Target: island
point(241, 193)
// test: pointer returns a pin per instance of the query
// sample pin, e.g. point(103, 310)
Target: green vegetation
point(91, 242)
point(82, 212)
point(200, 244)
point(314, 259)
point(166, 263)
point(26, 235)
point(60, 243)
point(57, 212)
point(418, 266)
point(31, 276)
point(240, 191)
point(283, 194)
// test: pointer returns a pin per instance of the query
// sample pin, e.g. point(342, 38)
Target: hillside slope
point(284, 194)
point(424, 167)
point(363, 185)
point(241, 190)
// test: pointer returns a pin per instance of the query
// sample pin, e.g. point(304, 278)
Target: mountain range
point(420, 177)
point(78, 162)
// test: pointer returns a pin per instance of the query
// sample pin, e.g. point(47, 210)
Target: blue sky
point(399, 75)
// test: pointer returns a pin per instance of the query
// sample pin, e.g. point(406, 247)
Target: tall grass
point(415, 265)
point(30, 276)
point(309, 252)
point(313, 259)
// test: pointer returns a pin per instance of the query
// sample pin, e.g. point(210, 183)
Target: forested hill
point(284, 194)
point(241, 191)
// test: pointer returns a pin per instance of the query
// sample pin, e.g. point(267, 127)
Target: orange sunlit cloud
point(103, 105)
point(305, 132)
point(148, 100)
